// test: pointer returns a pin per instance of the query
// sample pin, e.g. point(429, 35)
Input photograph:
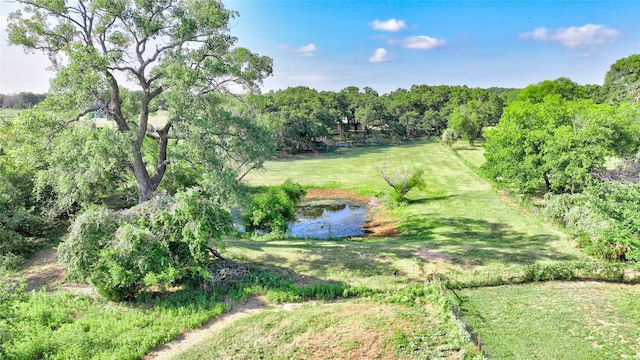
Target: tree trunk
point(145, 186)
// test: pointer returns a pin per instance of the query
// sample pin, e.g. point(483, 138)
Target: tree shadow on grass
point(481, 242)
point(323, 257)
point(429, 199)
point(352, 152)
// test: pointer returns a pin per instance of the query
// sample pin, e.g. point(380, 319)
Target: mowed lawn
point(458, 224)
point(556, 320)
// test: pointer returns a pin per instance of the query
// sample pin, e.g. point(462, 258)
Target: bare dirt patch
point(44, 271)
point(193, 337)
point(432, 255)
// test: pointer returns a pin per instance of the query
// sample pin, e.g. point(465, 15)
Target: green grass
point(458, 224)
point(61, 325)
point(353, 329)
point(9, 113)
point(472, 154)
point(556, 320)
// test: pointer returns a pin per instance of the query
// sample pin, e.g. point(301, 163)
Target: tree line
point(22, 100)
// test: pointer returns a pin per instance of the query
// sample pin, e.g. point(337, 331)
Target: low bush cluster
point(273, 209)
point(602, 271)
point(161, 242)
point(605, 219)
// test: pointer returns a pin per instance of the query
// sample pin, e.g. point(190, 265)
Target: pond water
point(323, 219)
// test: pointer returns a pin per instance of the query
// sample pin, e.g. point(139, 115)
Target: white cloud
point(380, 55)
point(391, 25)
point(307, 50)
point(585, 37)
point(423, 42)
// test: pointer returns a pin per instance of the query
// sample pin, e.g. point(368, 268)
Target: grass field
point(458, 226)
point(556, 320)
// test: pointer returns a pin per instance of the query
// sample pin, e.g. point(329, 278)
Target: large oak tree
point(180, 50)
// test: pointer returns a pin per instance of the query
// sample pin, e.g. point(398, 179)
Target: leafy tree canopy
point(622, 81)
point(177, 51)
point(556, 144)
point(562, 86)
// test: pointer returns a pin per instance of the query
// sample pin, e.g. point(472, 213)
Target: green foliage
point(21, 222)
point(563, 87)
point(572, 270)
point(449, 136)
point(274, 209)
point(555, 145)
point(605, 219)
point(10, 295)
point(622, 81)
point(158, 243)
point(191, 61)
point(403, 182)
point(298, 116)
point(465, 124)
point(61, 325)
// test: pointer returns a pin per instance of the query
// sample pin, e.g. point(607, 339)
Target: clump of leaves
point(272, 210)
point(161, 242)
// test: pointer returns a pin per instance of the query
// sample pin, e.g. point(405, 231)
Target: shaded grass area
point(472, 154)
point(354, 329)
point(556, 320)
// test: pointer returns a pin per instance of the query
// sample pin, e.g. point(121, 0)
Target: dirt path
point(193, 337)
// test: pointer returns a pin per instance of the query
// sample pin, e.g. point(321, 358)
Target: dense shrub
point(605, 219)
point(10, 294)
point(21, 225)
point(161, 242)
point(274, 209)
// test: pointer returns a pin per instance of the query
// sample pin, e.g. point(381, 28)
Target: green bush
point(274, 209)
point(21, 225)
point(161, 242)
point(10, 295)
point(605, 219)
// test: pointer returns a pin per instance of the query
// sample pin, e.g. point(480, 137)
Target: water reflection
point(323, 219)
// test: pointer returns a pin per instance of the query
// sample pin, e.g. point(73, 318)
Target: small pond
point(323, 219)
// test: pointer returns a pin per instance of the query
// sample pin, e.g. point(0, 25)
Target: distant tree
point(297, 116)
point(180, 49)
point(370, 112)
point(564, 87)
point(622, 81)
point(465, 123)
point(449, 136)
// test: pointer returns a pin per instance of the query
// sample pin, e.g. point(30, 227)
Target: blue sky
point(329, 45)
